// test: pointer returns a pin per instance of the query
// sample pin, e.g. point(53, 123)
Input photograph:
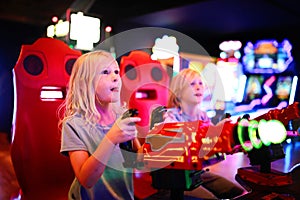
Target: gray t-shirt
point(176, 115)
point(116, 181)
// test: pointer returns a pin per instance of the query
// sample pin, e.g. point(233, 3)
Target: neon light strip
point(252, 129)
point(241, 89)
point(287, 48)
point(263, 130)
point(293, 89)
point(15, 106)
point(240, 132)
point(294, 167)
point(268, 90)
point(51, 93)
point(250, 106)
point(281, 105)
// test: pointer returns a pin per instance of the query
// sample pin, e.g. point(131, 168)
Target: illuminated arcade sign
point(267, 56)
point(166, 48)
point(84, 29)
point(230, 52)
point(269, 132)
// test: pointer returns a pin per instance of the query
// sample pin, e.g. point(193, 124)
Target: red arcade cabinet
point(41, 75)
point(144, 86)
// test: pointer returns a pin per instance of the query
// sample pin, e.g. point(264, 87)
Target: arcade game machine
point(144, 87)
point(269, 75)
point(270, 85)
point(175, 153)
point(40, 79)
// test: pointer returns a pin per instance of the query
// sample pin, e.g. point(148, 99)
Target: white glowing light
point(50, 93)
point(230, 45)
point(165, 48)
point(84, 29)
point(272, 131)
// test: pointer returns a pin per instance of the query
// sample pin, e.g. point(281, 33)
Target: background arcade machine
point(144, 87)
point(229, 69)
point(270, 85)
point(41, 75)
point(270, 80)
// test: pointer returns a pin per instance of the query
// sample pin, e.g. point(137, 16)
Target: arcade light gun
point(128, 151)
point(177, 150)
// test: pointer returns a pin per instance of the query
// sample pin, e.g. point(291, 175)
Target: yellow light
point(62, 28)
point(51, 31)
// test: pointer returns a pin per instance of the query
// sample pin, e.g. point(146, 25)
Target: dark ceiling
point(215, 17)
point(39, 12)
point(207, 21)
point(32, 12)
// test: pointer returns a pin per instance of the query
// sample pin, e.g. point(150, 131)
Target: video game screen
point(268, 91)
point(253, 88)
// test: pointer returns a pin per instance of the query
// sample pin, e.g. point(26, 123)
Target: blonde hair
point(177, 86)
point(81, 90)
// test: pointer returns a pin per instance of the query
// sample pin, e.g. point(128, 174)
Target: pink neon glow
point(54, 19)
point(268, 90)
point(108, 29)
point(250, 106)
